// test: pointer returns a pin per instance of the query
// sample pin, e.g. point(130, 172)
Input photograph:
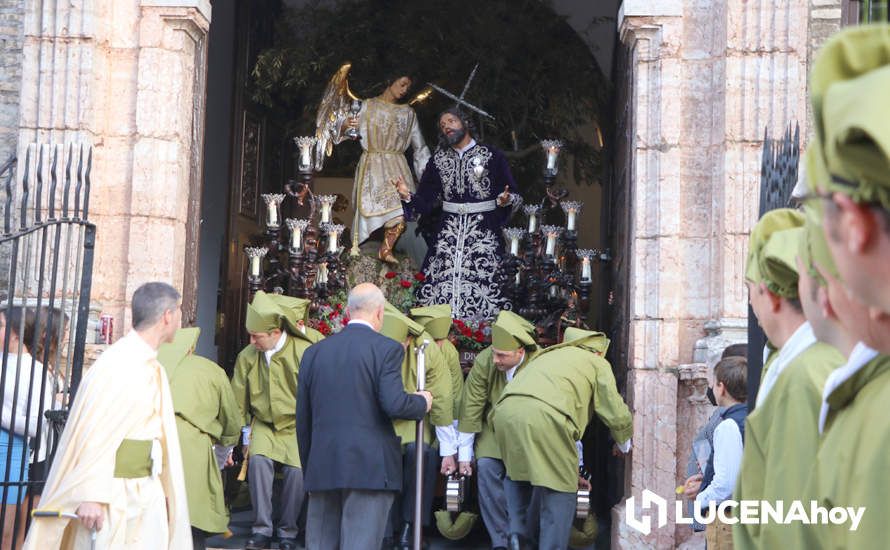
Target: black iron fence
point(46, 261)
point(778, 176)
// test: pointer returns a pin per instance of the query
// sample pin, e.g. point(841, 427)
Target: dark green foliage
point(536, 75)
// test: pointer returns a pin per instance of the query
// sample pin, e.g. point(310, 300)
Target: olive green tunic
point(781, 441)
point(452, 360)
point(482, 389)
point(542, 412)
point(206, 413)
point(852, 467)
point(267, 397)
point(437, 382)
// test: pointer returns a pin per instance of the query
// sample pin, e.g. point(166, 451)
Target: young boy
point(722, 470)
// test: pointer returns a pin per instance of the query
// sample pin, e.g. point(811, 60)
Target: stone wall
point(126, 76)
point(706, 79)
point(12, 17)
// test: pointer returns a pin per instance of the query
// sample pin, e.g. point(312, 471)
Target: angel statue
point(385, 128)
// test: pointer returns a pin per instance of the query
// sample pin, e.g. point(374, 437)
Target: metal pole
point(418, 450)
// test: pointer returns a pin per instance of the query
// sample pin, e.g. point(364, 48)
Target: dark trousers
point(261, 470)
point(492, 503)
point(347, 519)
point(403, 506)
point(557, 513)
point(199, 538)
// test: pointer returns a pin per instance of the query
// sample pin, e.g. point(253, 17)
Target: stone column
point(707, 77)
point(126, 76)
point(652, 32)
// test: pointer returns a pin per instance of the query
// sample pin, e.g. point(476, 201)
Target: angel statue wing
point(332, 113)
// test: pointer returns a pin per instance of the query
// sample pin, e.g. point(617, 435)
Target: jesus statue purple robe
point(464, 265)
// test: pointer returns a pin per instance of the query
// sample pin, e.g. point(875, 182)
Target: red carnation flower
point(390, 275)
point(324, 328)
point(420, 277)
point(458, 323)
point(345, 320)
point(480, 337)
point(405, 284)
point(467, 332)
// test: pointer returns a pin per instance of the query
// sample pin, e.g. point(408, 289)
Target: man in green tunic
point(538, 419)
point(513, 347)
point(265, 387)
point(436, 321)
point(848, 163)
point(410, 334)
point(782, 435)
point(206, 415)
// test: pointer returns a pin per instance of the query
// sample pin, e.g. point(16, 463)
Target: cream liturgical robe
point(125, 395)
point(387, 130)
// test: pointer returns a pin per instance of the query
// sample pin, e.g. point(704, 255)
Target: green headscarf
point(397, 325)
point(778, 261)
point(848, 92)
point(771, 222)
point(268, 312)
point(435, 319)
point(511, 332)
point(813, 248)
point(183, 345)
point(596, 342)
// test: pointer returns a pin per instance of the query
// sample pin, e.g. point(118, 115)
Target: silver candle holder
point(333, 231)
point(572, 210)
point(327, 207)
point(273, 209)
point(306, 145)
point(255, 257)
point(532, 211)
point(587, 255)
point(296, 228)
point(514, 235)
point(552, 233)
point(552, 148)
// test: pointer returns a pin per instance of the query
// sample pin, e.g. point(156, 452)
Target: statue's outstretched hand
point(504, 198)
point(401, 187)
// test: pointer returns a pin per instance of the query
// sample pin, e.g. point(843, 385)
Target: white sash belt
point(469, 207)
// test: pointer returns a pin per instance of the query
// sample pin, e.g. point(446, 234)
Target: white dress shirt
point(727, 462)
point(279, 345)
point(800, 340)
point(859, 357)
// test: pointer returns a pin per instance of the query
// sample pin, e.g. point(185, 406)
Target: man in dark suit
point(350, 390)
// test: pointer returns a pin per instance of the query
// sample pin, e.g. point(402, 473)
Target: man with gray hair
point(350, 390)
point(118, 465)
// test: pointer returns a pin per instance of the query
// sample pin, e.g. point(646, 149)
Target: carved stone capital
point(695, 376)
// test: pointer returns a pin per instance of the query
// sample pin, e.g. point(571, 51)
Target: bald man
point(350, 391)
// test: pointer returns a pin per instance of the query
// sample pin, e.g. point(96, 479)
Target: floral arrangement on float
point(471, 335)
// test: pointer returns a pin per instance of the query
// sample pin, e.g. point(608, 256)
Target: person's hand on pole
point(428, 397)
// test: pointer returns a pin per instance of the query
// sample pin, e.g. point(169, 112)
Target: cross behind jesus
point(472, 184)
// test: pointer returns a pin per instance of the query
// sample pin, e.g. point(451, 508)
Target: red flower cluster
point(420, 277)
point(405, 284)
point(324, 328)
point(468, 332)
point(390, 275)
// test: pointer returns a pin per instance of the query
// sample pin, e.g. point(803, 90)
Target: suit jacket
point(350, 390)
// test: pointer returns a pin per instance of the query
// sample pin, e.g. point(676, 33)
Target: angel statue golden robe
point(386, 130)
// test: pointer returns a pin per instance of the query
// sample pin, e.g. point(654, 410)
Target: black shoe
point(287, 544)
point(257, 542)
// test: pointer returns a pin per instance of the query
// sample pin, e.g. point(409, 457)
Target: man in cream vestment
point(118, 465)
